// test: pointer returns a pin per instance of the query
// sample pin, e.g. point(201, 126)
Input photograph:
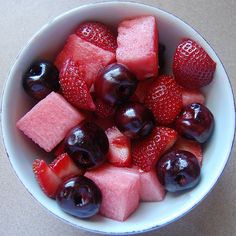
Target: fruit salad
point(119, 130)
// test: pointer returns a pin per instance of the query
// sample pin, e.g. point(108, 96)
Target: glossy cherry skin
point(41, 79)
point(195, 122)
point(80, 197)
point(134, 120)
point(87, 144)
point(178, 170)
point(115, 84)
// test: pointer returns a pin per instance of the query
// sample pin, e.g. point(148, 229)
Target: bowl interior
point(46, 44)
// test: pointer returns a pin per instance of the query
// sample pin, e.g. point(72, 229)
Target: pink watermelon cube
point(90, 56)
point(120, 190)
point(137, 46)
point(48, 121)
point(151, 188)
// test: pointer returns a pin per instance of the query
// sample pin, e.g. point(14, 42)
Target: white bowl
point(46, 44)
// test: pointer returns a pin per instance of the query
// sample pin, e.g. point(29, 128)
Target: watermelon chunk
point(138, 46)
point(48, 122)
point(120, 190)
point(86, 54)
point(151, 189)
point(190, 96)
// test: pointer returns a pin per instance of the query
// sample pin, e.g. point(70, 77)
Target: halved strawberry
point(190, 146)
point(192, 66)
point(47, 179)
point(146, 152)
point(74, 87)
point(164, 99)
point(190, 96)
point(64, 167)
point(98, 34)
point(119, 153)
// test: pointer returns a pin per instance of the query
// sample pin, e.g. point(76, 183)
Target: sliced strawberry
point(147, 151)
point(192, 66)
point(74, 87)
point(190, 146)
point(164, 99)
point(103, 110)
point(98, 34)
point(47, 179)
point(119, 148)
point(190, 96)
point(64, 167)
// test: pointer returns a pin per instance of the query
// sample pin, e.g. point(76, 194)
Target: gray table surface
point(20, 214)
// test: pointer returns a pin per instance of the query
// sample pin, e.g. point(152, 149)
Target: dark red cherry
point(195, 122)
point(80, 197)
point(134, 120)
point(178, 170)
point(87, 144)
point(115, 84)
point(41, 79)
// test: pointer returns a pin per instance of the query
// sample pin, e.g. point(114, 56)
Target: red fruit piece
point(119, 153)
point(190, 146)
point(64, 167)
point(190, 96)
point(146, 152)
point(98, 34)
point(74, 87)
point(164, 99)
point(47, 179)
point(192, 66)
point(103, 110)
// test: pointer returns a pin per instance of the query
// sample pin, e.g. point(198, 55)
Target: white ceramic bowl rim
point(4, 97)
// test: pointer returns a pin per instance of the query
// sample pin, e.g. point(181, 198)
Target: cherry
point(134, 120)
point(41, 79)
point(195, 122)
point(115, 84)
point(178, 170)
point(87, 144)
point(79, 196)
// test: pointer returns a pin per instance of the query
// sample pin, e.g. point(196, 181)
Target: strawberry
point(103, 110)
point(190, 96)
point(146, 152)
point(47, 179)
point(192, 66)
point(64, 167)
point(190, 146)
point(74, 87)
point(164, 99)
point(119, 153)
point(98, 34)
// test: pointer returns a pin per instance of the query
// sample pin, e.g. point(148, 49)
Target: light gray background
point(20, 214)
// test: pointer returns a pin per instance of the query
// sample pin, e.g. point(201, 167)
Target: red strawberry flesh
point(74, 87)
point(146, 152)
point(64, 167)
point(119, 148)
point(164, 99)
point(47, 179)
